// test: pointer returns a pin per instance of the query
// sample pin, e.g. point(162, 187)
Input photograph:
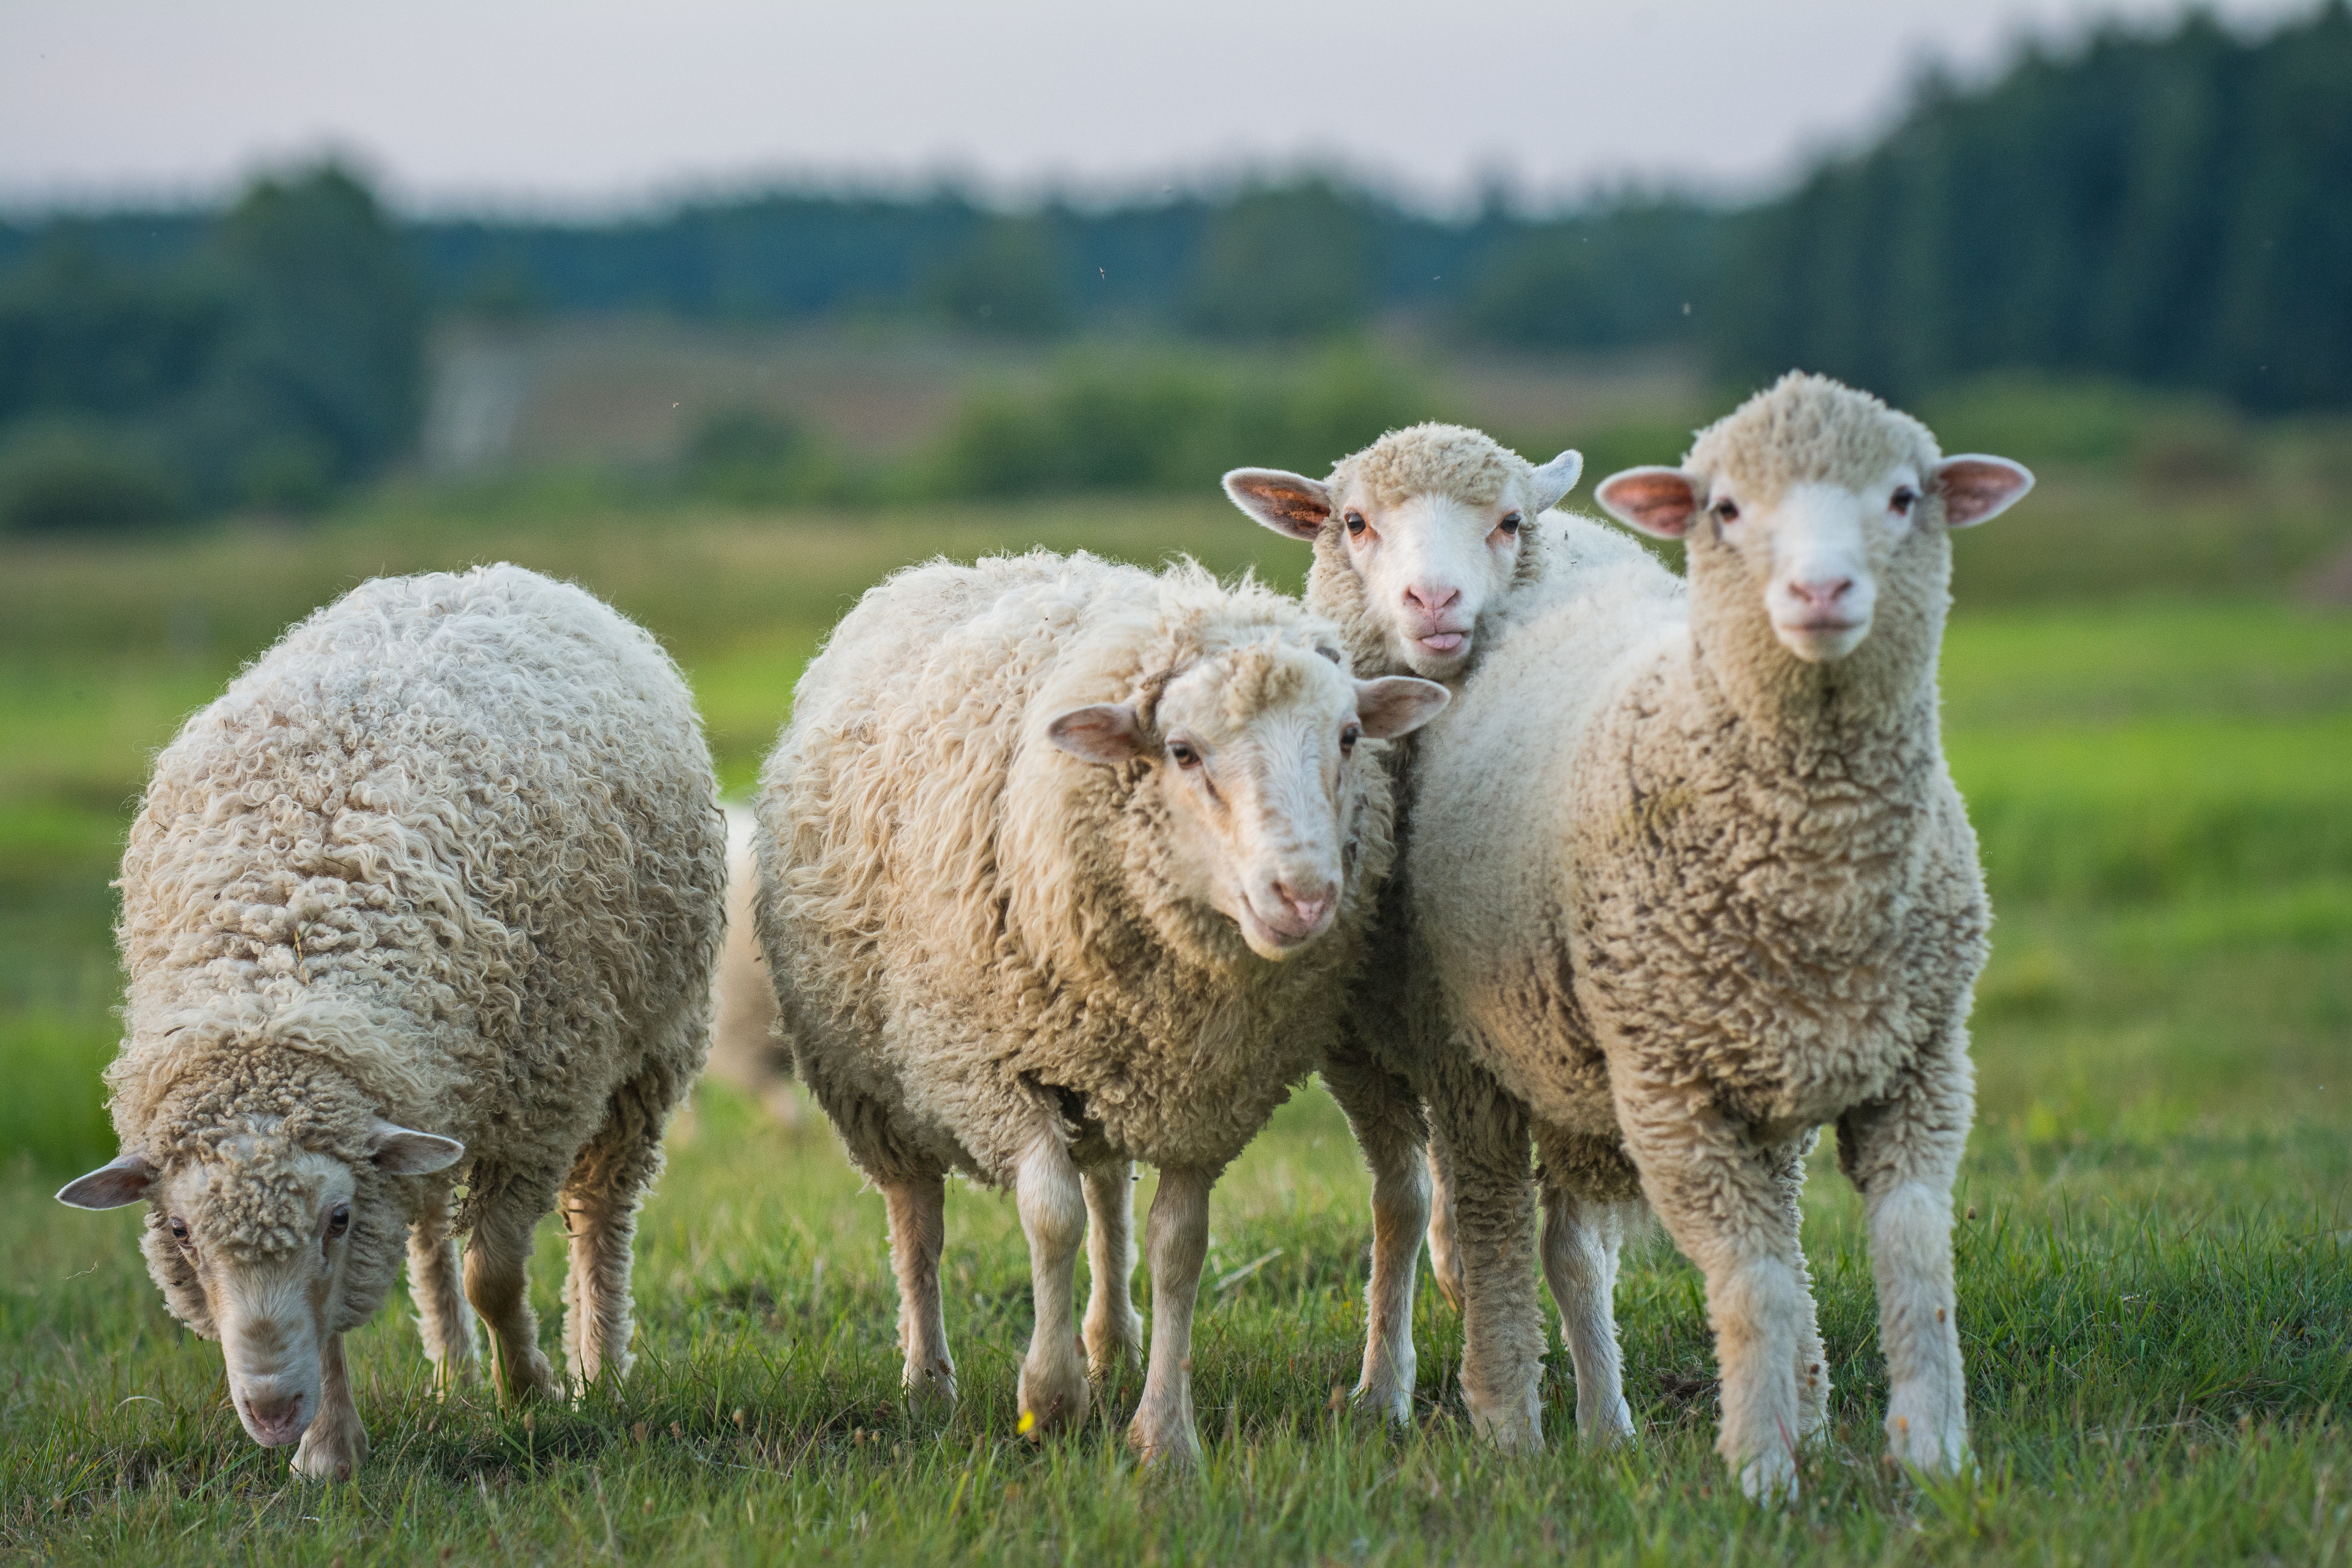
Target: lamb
point(1689, 880)
point(1065, 865)
point(431, 893)
point(1422, 542)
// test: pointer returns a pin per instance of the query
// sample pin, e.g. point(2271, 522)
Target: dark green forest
point(2171, 208)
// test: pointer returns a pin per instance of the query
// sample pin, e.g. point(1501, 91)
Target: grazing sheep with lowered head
point(1066, 865)
point(1690, 879)
point(431, 893)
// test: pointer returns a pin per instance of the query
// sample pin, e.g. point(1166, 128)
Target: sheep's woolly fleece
point(449, 854)
point(1808, 428)
point(973, 934)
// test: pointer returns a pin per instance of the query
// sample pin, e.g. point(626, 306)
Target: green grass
point(2156, 1275)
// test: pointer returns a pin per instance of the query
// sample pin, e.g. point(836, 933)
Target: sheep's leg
point(1113, 1328)
point(443, 1320)
point(1495, 1205)
point(1721, 1202)
point(917, 1230)
point(336, 1444)
point(1444, 1251)
point(1812, 1360)
point(1580, 1243)
point(498, 1281)
point(600, 1212)
point(1386, 1118)
point(1177, 1236)
point(1054, 1216)
point(1904, 1154)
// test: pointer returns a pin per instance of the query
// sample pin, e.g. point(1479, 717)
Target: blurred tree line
point(2171, 208)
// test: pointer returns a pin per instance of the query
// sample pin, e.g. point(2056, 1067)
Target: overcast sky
point(589, 105)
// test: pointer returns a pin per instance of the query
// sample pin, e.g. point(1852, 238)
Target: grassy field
point(2155, 1275)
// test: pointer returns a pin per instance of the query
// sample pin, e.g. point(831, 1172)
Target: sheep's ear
point(1285, 502)
point(1659, 501)
point(1975, 488)
point(1556, 479)
point(1398, 705)
point(404, 1152)
point(1105, 732)
point(121, 1180)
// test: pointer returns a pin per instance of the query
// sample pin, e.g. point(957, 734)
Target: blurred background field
point(2122, 260)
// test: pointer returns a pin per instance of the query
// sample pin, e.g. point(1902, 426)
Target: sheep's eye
point(339, 1221)
point(1727, 510)
point(1903, 498)
point(179, 1229)
point(1350, 736)
point(1182, 755)
point(1355, 524)
point(1510, 524)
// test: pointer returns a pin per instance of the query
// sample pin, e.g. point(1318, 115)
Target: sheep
point(1422, 542)
point(1066, 865)
point(1689, 880)
point(430, 893)
point(744, 1049)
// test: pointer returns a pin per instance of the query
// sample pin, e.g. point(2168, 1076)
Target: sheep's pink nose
point(276, 1413)
point(1431, 600)
point(1821, 595)
point(1309, 907)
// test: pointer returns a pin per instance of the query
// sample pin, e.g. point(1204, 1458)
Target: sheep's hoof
point(1514, 1424)
point(1387, 1402)
point(1166, 1448)
point(931, 1390)
point(1601, 1429)
point(1770, 1477)
point(1054, 1399)
point(1917, 1443)
point(331, 1451)
point(1111, 1351)
point(1447, 1271)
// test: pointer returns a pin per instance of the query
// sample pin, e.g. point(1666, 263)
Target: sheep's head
point(270, 1246)
point(1820, 499)
point(1432, 522)
point(1253, 762)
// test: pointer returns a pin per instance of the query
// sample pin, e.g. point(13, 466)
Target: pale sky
point(601, 105)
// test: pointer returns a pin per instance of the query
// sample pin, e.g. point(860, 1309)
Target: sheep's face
point(252, 1242)
point(1430, 561)
point(1253, 763)
point(1815, 550)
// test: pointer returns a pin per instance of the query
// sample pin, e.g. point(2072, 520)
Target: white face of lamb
point(1430, 564)
point(1259, 803)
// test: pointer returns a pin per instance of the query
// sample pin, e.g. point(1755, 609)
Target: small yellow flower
point(1028, 1419)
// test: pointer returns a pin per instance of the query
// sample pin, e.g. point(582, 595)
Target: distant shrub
point(756, 457)
point(58, 474)
point(2041, 419)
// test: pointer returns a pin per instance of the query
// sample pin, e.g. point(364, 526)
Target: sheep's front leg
point(1904, 1154)
point(1177, 1237)
point(917, 1209)
point(1054, 1216)
point(1812, 1360)
point(1719, 1199)
point(1494, 1211)
point(1386, 1117)
point(443, 1320)
point(336, 1444)
point(1113, 1328)
point(498, 1281)
point(1580, 1243)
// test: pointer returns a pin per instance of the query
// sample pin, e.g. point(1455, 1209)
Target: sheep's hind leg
point(498, 1281)
point(1386, 1117)
point(1812, 1360)
point(600, 1212)
point(1163, 1430)
point(336, 1444)
point(1113, 1328)
point(1444, 1249)
point(1054, 1216)
point(443, 1320)
point(917, 1208)
point(1580, 1243)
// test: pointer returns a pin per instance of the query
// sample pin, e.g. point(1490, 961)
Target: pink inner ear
point(1975, 488)
point(1656, 500)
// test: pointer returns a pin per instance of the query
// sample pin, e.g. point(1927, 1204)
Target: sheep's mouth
point(1268, 939)
point(1821, 641)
